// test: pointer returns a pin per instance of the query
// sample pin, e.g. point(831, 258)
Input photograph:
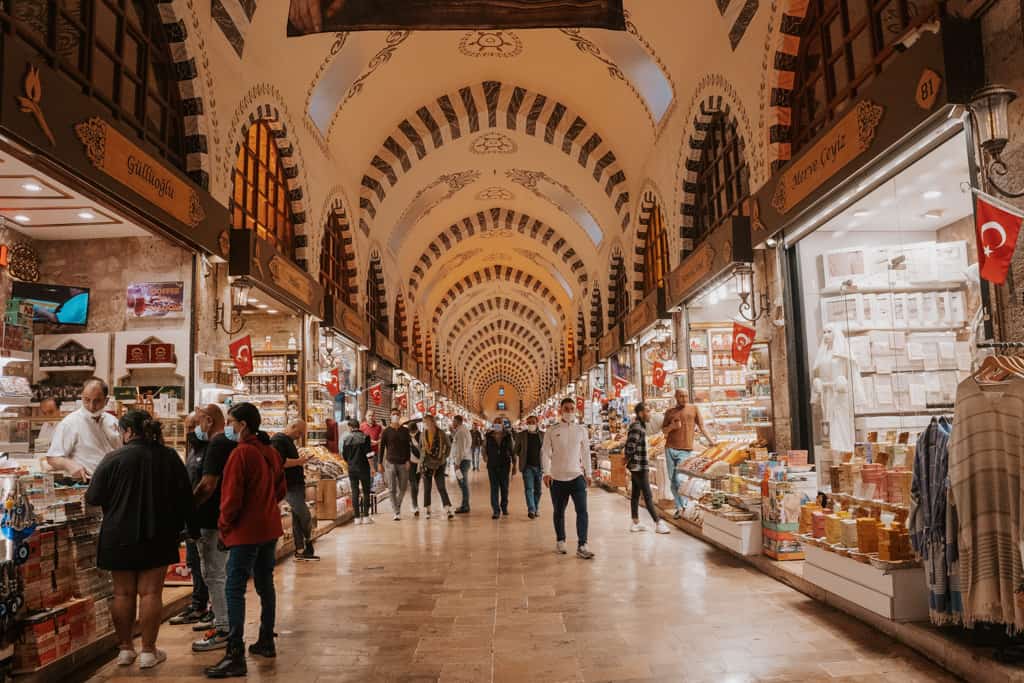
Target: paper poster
point(156, 300)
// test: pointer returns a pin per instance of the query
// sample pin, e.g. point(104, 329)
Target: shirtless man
point(678, 427)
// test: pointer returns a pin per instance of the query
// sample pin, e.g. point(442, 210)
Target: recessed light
point(932, 194)
point(934, 213)
point(32, 187)
point(22, 218)
point(271, 311)
point(861, 213)
point(262, 306)
point(252, 302)
point(86, 215)
point(771, 242)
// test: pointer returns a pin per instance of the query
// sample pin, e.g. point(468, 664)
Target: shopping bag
point(453, 473)
point(378, 483)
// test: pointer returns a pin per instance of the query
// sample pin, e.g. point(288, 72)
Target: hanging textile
point(934, 540)
point(984, 474)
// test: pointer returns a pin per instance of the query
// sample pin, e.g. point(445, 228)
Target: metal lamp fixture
point(752, 305)
point(990, 108)
point(239, 300)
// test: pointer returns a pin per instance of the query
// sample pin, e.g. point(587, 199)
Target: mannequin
point(837, 385)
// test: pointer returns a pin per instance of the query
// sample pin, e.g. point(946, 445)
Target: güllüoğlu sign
point(124, 161)
point(847, 140)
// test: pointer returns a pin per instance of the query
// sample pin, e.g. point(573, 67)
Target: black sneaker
point(462, 511)
point(188, 616)
point(495, 516)
point(263, 649)
point(532, 515)
point(307, 555)
point(232, 665)
point(505, 513)
point(205, 622)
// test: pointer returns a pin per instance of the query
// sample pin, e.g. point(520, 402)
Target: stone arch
point(400, 322)
point(495, 221)
point(596, 314)
point(500, 329)
point(783, 80)
point(335, 208)
point(650, 200)
point(504, 306)
point(376, 293)
point(497, 273)
point(484, 106)
point(618, 287)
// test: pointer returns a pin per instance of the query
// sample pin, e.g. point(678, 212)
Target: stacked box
point(81, 622)
point(37, 644)
point(90, 582)
point(49, 573)
point(17, 326)
point(103, 622)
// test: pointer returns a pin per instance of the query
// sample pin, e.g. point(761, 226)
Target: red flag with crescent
point(579, 405)
point(421, 407)
point(377, 393)
point(595, 395)
point(334, 383)
point(742, 341)
point(619, 385)
point(403, 402)
point(998, 226)
point(241, 354)
point(658, 374)
point(433, 409)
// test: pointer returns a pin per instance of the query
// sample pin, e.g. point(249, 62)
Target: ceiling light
point(32, 187)
point(271, 311)
point(86, 215)
point(861, 213)
point(252, 302)
point(262, 306)
point(934, 213)
point(932, 194)
point(22, 218)
point(771, 242)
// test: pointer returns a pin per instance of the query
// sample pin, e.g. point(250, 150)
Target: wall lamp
point(990, 107)
point(239, 300)
point(752, 305)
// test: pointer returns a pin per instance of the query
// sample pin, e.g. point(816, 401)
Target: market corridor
point(478, 600)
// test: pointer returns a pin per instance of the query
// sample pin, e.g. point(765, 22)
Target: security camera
point(911, 37)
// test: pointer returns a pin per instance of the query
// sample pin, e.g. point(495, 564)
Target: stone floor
point(477, 600)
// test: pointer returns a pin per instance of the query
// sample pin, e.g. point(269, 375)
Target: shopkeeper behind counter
point(84, 437)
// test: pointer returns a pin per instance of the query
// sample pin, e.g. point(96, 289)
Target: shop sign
point(387, 349)
point(846, 141)
point(589, 360)
point(156, 300)
point(610, 342)
point(258, 260)
point(694, 269)
point(346, 320)
point(645, 314)
point(727, 245)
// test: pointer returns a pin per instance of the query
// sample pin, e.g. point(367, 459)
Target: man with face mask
point(500, 466)
point(528, 447)
point(84, 437)
point(395, 451)
point(565, 459)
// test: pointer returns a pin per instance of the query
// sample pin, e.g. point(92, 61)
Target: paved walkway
point(478, 600)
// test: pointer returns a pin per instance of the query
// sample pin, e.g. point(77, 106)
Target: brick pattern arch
point(271, 115)
point(497, 273)
point(501, 330)
point(417, 338)
point(339, 273)
point(503, 306)
point(399, 333)
point(501, 345)
point(497, 365)
point(493, 377)
point(484, 106)
point(650, 252)
point(197, 159)
point(618, 290)
point(495, 221)
point(596, 315)
point(376, 295)
point(581, 333)
point(710, 109)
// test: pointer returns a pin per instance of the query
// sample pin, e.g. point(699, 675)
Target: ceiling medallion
point(491, 44)
point(495, 194)
point(494, 143)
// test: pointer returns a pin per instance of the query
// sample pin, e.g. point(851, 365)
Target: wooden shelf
point(68, 368)
point(284, 352)
point(152, 366)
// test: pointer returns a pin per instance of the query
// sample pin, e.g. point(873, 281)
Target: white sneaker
point(448, 511)
point(147, 660)
point(637, 528)
point(126, 657)
point(662, 527)
point(583, 552)
point(397, 517)
point(359, 520)
point(367, 520)
point(560, 548)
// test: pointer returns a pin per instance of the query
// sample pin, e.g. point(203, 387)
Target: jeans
point(398, 482)
point(672, 459)
point(476, 457)
point(532, 480)
point(200, 593)
point(499, 488)
point(642, 485)
point(414, 484)
point(438, 477)
point(214, 563)
point(258, 562)
point(561, 492)
point(464, 468)
point(302, 521)
point(360, 503)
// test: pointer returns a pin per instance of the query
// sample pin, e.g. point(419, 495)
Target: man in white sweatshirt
point(565, 458)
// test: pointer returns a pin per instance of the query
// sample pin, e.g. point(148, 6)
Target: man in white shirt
point(47, 408)
point(565, 458)
point(462, 456)
point(83, 438)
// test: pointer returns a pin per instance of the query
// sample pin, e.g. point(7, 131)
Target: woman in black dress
point(144, 491)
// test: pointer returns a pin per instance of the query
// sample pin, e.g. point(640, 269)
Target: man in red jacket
point(250, 524)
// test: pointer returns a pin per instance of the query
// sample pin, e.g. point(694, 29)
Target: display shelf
point(743, 538)
point(934, 286)
point(275, 352)
point(151, 366)
point(701, 475)
point(68, 368)
point(896, 594)
point(15, 402)
point(867, 502)
point(7, 356)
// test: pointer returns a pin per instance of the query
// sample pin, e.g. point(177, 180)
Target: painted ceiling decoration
point(739, 13)
point(502, 307)
point(493, 330)
point(316, 16)
point(425, 201)
point(491, 44)
point(494, 194)
point(489, 105)
point(494, 143)
point(560, 196)
point(233, 18)
point(498, 274)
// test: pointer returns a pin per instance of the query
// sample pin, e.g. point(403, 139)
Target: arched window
point(260, 198)
point(417, 339)
point(596, 314)
point(337, 271)
point(581, 334)
point(399, 336)
point(655, 248)
point(723, 178)
point(844, 45)
point(116, 50)
point(618, 294)
point(376, 298)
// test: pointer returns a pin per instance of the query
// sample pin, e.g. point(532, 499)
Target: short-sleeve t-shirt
point(214, 457)
point(293, 476)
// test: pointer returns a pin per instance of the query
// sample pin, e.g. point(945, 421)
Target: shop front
point(344, 339)
point(381, 365)
point(649, 330)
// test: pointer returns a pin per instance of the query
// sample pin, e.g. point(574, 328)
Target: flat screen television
point(55, 304)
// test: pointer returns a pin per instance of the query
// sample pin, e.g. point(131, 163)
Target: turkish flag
point(403, 402)
point(596, 395)
point(241, 353)
point(579, 406)
point(377, 393)
point(742, 340)
point(334, 385)
point(998, 226)
point(420, 407)
point(658, 374)
point(433, 409)
point(619, 385)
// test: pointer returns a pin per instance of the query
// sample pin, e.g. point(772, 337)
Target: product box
point(138, 353)
point(161, 353)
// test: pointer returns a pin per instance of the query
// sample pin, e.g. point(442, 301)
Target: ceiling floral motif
point(494, 143)
point(491, 44)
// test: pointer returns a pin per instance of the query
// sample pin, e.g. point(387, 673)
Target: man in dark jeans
point(500, 467)
point(295, 478)
point(565, 460)
point(356, 452)
point(198, 610)
point(528, 446)
point(638, 464)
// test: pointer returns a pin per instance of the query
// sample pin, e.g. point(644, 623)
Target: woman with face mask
point(146, 497)
point(434, 450)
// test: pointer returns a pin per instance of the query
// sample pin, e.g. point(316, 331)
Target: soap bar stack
point(867, 534)
point(894, 543)
point(807, 511)
point(849, 527)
